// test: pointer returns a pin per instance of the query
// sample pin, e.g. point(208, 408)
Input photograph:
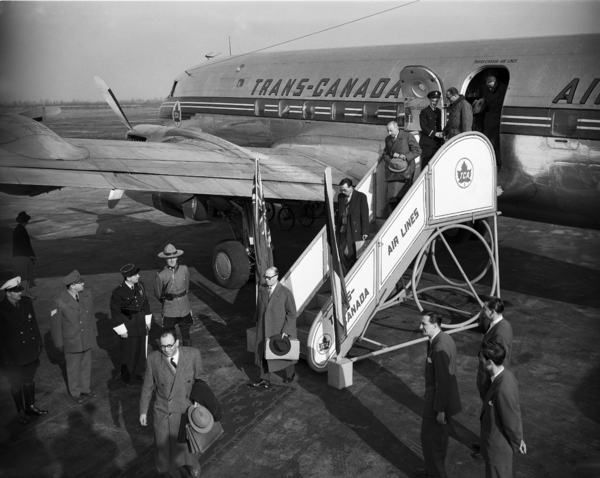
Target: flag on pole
point(336, 275)
point(261, 235)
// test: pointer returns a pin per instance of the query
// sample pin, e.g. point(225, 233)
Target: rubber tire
point(230, 264)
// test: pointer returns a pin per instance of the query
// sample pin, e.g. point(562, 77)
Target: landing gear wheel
point(286, 218)
point(230, 264)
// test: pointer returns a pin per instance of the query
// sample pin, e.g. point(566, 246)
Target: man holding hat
point(131, 320)
point(23, 255)
point(20, 347)
point(171, 287)
point(399, 154)
point(171, 373)
point(74, 331)
point(430, 119)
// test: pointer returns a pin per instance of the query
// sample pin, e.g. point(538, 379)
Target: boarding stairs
point(458, 186)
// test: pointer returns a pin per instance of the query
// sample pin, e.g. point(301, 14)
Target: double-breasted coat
point(173, 388)
point(275, 314)
point(398, 183)
point(502, 334)
point(430, 120)
point(72, 324)
point(501, 425)
point(129, 306)
point(20, 339)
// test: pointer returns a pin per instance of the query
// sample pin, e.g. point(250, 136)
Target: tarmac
point(550, 280)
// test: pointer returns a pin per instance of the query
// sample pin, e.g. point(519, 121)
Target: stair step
point(308, 316)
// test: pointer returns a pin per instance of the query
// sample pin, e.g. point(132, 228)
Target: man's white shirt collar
point(499, 372)
point(494, 323)
point(436, 334)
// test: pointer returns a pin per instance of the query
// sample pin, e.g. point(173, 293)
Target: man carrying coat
point(275, 315)
point(74, 332)
point(171, 373)
point(352, 220)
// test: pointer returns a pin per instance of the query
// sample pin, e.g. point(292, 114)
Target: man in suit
point(399, 154)
point(497, 329)
point(171, 373)
point(352, 220)
point(74, 332)
point(131, 319)
point(501, 425)
point(442, 398)
point(430, 120)
point(460, 114)
point(275, 315)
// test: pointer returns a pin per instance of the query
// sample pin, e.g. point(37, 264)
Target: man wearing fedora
point(131, 319)
point(23, 255)
point(20, 347)
point(275, 317)
point(171, 373)
point(74, 332)
point(399, 155)
point(171, 287)
point(430, 120)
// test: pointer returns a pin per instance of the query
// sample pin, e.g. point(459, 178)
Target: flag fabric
point(261, 235)
point(336, 275)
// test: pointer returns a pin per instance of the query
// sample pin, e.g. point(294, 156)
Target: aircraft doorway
point(417, 81)
point(487, 103)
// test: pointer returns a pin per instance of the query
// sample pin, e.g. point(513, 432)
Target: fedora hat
point(12, 285)
point(398, 165)
point(23, 217)
point(169, 252)
point(279, 345)
point(200, 419)
point(72, 277)
point(129, 270)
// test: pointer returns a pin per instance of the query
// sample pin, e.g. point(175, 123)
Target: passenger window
point(564, 123)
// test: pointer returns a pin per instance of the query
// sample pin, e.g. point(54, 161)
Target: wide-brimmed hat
point(72, 277)
point(169, 252)
point(129, 270)
point(12, 285)
point(23, 217)
point(398, 165)
point(200, 419)
point(279, 345)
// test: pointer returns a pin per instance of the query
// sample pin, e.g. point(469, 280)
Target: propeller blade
point(112, 101)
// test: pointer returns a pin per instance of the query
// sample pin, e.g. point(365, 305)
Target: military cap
point(129, 270)
point(72, 277)
point(435, 94)
point(12, 285)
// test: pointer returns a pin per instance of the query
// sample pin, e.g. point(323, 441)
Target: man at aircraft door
point(430, 120)
point(460, 114)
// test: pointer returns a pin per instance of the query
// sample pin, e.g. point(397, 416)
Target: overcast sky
point(52, 50)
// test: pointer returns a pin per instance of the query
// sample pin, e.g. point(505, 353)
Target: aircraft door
point(416, 82)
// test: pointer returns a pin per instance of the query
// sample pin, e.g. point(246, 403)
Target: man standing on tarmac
point(460, 114)
point(171, 287)
point(131, 320)
point(442, 398)
point(430, 119)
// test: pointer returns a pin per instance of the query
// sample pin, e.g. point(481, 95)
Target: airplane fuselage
point(342, 99)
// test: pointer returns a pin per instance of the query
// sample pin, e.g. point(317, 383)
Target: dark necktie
point(77, 298)
point(173, 362)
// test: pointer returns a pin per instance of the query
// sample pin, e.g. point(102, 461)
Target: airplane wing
point(32, 154)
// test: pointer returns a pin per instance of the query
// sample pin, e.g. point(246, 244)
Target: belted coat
point(72, 323)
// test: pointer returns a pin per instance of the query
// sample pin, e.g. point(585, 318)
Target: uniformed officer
point(171, 287)
point(74, 332)
point(131, 320)
point(20, 347)
point(430, 119)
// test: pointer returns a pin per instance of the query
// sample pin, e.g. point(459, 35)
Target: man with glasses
point(20, 347)
point(171, 373)
point(275, 315)
point(74, 332)
point(131, 320)
point(460, 114)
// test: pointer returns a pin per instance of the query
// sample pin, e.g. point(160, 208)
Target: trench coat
point(275, 314)
point(73, 325)
point(173, 389)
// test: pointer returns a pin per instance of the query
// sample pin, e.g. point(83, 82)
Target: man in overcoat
point(460, 114)
point(497, 329)
point(74, 332)
point(399, 145)
point(501, 424)
point(442, 398)
point(23, 254)
point(20, 347)
point(171, 287)
point(171, 373)
point(430, 120)
point(131, 319)
point(352, 221)
point(275, 315)
point(493, 98)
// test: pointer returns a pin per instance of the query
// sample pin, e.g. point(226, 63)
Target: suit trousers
point(266, 375)
point(134, 354)
point(79, 372)
point(434, 442)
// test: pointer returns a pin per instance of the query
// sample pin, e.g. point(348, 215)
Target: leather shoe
point(260, 384)
point(88, 395)
point(33, 410)
point(289, 379)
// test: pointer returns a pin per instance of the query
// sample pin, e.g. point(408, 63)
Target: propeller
point(112, 101)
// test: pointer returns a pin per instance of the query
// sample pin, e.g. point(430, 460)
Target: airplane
point(301, 111)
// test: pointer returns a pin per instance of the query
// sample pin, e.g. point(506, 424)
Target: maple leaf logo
point(464, 174)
